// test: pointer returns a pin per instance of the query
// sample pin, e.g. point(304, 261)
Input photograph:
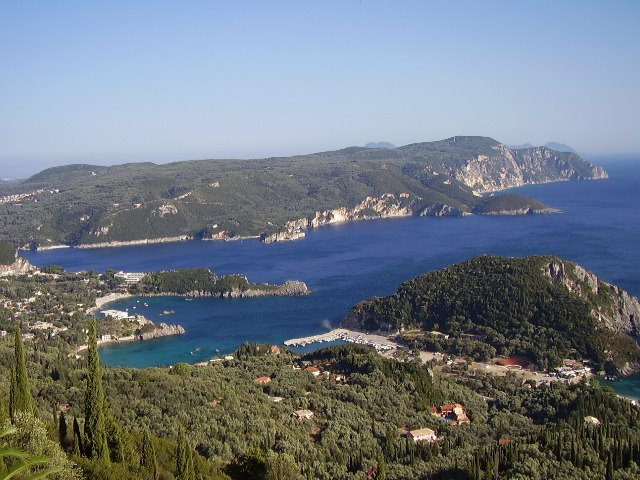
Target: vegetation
point(7, 253)
point(215, 422)
point(509, 202)
point(511, 305)
point(82, 204)
point(196, 281)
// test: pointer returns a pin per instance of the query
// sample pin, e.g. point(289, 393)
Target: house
point(105, 337)
point(452, 413)
point(276, 350)
point(276, 399)
point(422, 435)
point(592, 421)
point(262, 380)
point(303, 414)
point(315, 371)
point(504, 441)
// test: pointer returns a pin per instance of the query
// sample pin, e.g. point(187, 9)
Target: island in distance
point(276, 198)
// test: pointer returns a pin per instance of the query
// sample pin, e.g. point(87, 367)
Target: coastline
point(298, 233)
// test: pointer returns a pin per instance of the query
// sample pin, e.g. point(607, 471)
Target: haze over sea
point(344, 264)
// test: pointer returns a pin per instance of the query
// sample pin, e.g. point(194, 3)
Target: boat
point(165, 312)
point(188, 299)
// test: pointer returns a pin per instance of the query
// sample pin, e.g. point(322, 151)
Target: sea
point(599, 228)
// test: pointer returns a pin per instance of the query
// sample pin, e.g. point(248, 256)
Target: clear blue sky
point(116, 81)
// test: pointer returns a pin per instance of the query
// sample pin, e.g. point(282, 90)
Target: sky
point(124, 81)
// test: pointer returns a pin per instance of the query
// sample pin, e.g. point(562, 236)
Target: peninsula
point(276, 199)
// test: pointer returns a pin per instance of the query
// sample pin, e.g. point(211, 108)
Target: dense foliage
point(358, 422)
point(509, 202)
point(195, 281)
point(7, 253)
point(510, 304)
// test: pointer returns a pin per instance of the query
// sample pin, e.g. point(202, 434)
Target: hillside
point(223, 199)
point(541, 307)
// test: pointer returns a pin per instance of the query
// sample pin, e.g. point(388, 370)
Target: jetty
point(379, 342)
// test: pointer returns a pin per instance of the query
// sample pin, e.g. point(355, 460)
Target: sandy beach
point(111, 297)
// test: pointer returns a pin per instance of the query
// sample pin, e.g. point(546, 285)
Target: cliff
point(160, 330)
point(19, 267)
point(508, 168)
point(611, 306)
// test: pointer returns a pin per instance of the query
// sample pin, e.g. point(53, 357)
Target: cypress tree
point(20, 399)
point(78, 448)
point(62, 430)
point(95, 432)
point(148, 458)
point(184, 457)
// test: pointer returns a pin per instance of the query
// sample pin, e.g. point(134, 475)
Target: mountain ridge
point(89, 204)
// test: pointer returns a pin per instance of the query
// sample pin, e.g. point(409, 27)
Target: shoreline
point(259, 236)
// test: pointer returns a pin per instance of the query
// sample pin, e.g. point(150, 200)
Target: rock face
point(385, 206)
point(442, 210)
point(19, 267)
point(144, 241)
point(162, 330)
point(514, 168)
point(616, 309)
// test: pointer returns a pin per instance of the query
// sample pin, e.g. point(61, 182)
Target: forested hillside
point(518, 306)
point(87, 204)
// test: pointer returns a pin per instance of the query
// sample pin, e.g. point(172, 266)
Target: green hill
point(87, 204)
point(510, 203)
point(541, 307)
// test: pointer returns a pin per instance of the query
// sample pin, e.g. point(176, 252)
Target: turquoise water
point(599, 228)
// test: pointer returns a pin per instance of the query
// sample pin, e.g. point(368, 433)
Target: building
point(422, 435)
point(105, 338)
point(592, 421)
point(452, 413)
point(262, 380)
point(315, 371)
point(130, 278)
point(303, 414)
point(276, 350)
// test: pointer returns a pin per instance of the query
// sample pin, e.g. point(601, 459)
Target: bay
point(599, 228)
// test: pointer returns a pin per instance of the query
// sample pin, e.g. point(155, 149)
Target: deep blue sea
point(599, 228)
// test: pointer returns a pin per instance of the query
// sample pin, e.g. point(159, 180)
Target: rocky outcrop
point(290, 288)
point(161, 330)
point(523, 211)
point(144, 241)
point(385, 206)
point(19, 267)
point(442, 210)
point(612, 307)
point(513, 168)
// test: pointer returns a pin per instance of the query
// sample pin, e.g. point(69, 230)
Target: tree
point(20, 399)
point(95, 430)
point(148, 458)
point(184, 457)
point(30, 436)
point(62, 431)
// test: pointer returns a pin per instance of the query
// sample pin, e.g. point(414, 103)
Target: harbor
point(379, 342)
